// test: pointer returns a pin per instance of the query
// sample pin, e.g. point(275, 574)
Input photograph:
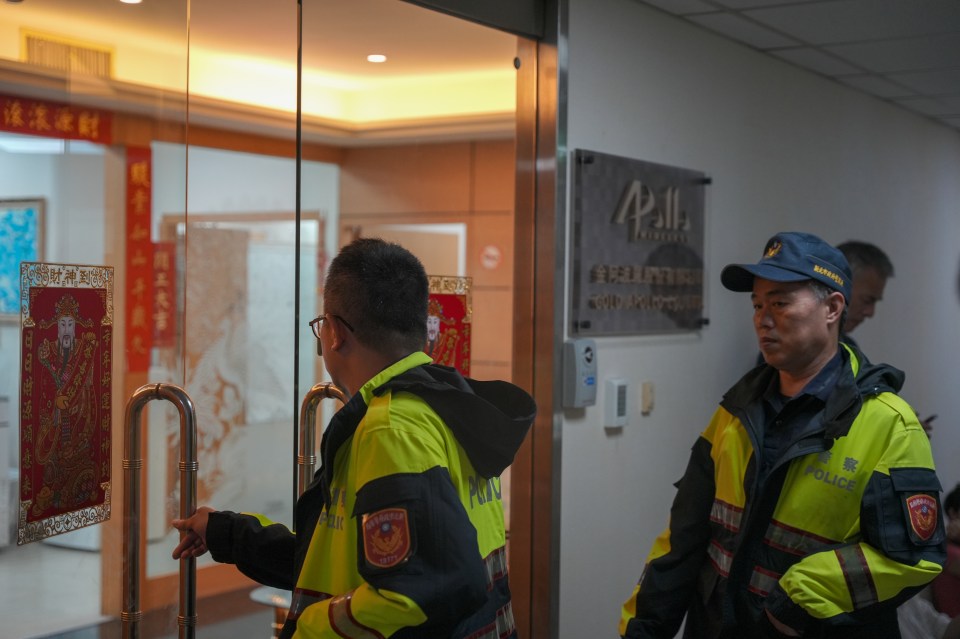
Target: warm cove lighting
point(376, 58)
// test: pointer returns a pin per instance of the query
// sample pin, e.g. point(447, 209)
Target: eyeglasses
point(315, 327)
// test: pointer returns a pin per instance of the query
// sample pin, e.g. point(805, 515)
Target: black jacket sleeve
point(669, 581)
point(442, 570)
point(261, 550)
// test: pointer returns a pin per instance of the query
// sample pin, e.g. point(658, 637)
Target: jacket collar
point(858, 378)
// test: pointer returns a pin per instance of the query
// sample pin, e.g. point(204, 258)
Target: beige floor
point(47, 589)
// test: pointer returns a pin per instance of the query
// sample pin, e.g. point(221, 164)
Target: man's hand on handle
point(193, 534)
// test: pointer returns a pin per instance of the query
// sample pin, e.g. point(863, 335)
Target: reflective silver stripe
point(720, 558)
point(793, 540)
point(727, 515)
point(496, 565)
point(762, 581)
point(301, 599)
point(856, 572)
point(502, 628)
point(343, 623)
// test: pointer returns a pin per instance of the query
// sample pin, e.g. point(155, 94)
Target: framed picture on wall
point(21, 240)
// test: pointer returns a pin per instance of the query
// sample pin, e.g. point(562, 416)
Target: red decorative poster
point(139, 261)
point(449, 319)
point(66, 358)
point(54, 120)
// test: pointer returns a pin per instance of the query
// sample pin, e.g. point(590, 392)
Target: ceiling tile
point(754, 4)
point(861, 20)
point(901, 50)
point(876, 85)
point(952, 103)
point(927, 106)
point(735, 27)
point(681, 7)
point(909, 54)
point(938, 83)
point(816, 60)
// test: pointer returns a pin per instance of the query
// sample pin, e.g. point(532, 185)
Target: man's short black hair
point(861, 255)
point(381, 289)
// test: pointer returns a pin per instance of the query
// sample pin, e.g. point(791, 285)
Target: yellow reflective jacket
point(845, 527)
point(401, 534)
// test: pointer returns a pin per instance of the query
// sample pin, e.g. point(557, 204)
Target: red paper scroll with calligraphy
point(139, 262)
point(449, 319)
point(66, 361)
point(54, 120)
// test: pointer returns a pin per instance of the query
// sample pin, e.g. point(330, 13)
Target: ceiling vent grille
point(68, 56)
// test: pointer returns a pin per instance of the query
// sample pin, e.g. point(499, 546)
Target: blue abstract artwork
point(19, 242)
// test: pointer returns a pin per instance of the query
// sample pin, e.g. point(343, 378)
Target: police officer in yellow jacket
point(810, 505)
point(401, 534)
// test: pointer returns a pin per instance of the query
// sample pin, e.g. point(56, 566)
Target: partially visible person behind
point(918, 618)
point(810, 504)
point(946, 587)
point(870, 268)
point(935, 612)
point(401, 533)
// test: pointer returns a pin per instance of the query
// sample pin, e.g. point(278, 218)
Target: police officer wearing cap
point(810, 504)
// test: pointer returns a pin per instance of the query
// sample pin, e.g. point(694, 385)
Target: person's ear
point(835, 304)
point(340, 334)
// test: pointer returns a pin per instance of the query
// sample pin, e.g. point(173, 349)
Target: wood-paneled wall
point(468, 182)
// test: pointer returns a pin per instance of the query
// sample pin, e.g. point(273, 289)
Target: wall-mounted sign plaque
point(638, 234)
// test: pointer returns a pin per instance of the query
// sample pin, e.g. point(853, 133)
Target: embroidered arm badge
point(386, 538)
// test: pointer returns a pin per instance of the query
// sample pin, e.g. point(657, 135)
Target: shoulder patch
point(386, 538)
point(923, 514)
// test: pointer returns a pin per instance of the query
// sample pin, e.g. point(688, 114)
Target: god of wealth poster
point(449, 319)
point(66, 360)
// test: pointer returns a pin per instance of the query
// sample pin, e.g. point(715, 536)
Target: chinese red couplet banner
point(139, 261)
point(449, 319)
point(66, 362)
point(54, 120)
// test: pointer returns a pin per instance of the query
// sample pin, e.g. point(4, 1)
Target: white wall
point(71, 187)
point(229, 181)
point(21, 176)
point(787, 150)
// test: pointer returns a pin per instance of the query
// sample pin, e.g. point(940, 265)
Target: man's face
point(792, 325)
point(66, 331)
point(433, 327)
point(867, 290)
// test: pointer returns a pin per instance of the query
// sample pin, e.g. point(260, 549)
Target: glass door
point(161, 140)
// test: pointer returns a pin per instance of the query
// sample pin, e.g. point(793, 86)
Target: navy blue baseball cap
point(792, 257)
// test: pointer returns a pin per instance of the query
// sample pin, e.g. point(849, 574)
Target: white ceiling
point(337, 34)
point(443, 78)
point(903, 51)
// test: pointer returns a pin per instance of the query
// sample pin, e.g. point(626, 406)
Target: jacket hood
point(489, 418)
point(873, 379)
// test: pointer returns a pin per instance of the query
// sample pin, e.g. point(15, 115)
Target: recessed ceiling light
point(131, 1)
point(376, 57)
